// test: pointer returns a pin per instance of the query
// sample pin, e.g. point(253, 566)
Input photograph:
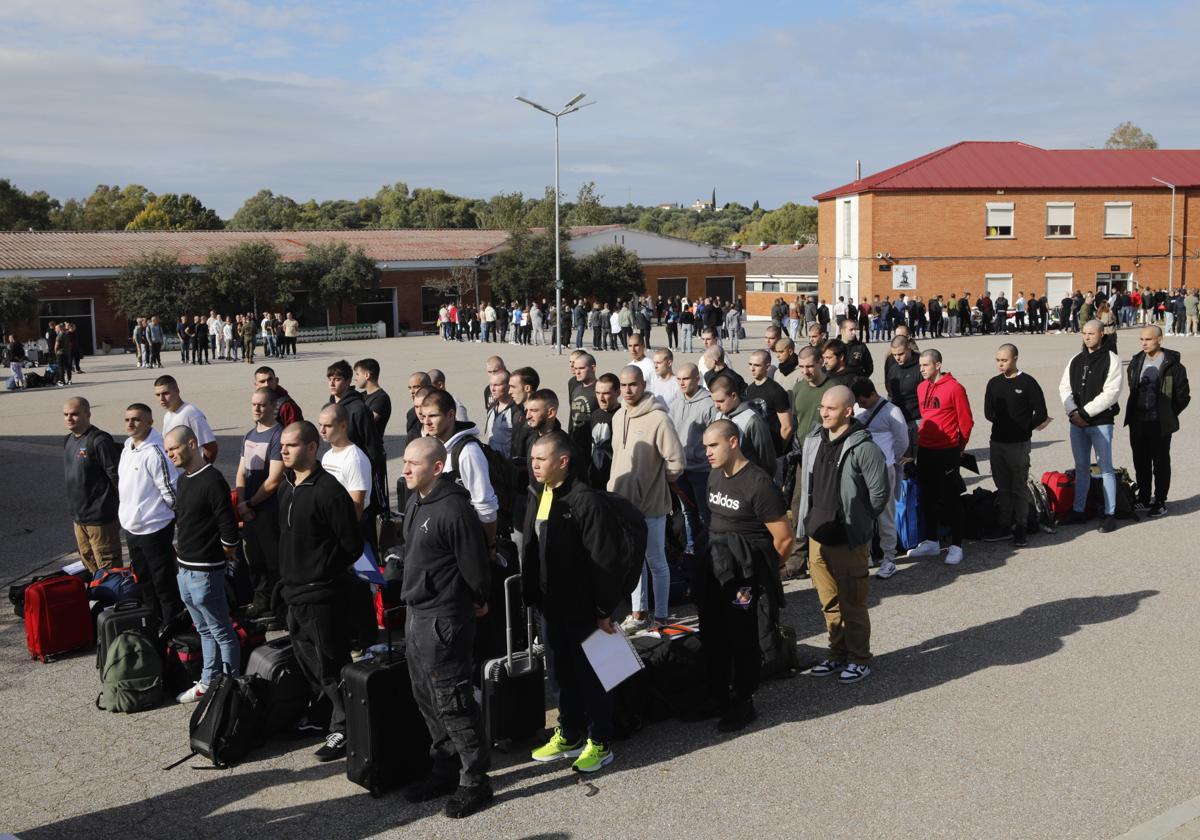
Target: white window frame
point(1000, 206)
point(1054, 276)
point(762, 286)
point(1060, 205)
point(1118, 205)
point(847, 225)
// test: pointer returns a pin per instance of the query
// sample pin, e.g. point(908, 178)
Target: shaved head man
point(90, 465)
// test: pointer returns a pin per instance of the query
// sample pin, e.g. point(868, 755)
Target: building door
point(719, 287)
point(80, 312)
point(672, 287)
point(1113, 281)
point(377, 305)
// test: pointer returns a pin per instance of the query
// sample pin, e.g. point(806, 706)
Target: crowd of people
point(794, 471)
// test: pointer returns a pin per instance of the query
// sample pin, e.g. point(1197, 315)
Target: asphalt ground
point(1042, 693)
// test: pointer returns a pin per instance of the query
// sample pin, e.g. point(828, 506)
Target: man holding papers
point(572, 570)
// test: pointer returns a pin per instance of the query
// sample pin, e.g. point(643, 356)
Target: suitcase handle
point(508, 623)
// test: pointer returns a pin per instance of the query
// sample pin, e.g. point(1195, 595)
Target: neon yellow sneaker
point(557, 747)
point(593, 757)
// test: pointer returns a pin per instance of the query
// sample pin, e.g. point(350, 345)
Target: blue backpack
point(908, 523)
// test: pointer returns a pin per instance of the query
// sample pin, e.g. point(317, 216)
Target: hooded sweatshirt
point(446, 568)
point(647, 456)
point(319, 537)
point(147, 485)
point(863, 487)
point(946, 419)
point(360, 425)
point(690, 416)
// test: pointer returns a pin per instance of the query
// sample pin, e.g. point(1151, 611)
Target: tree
point(455, 283)
point(1129, 136)
point(113, 208)
point(525, 269)
point(789, 223)
point(539, 213)
point(249, 275)
point(333, 273)
point(24, 211)
point(170, 211)
point(18, 300)
point(156, 284)
point(505, 211)
point(266, 211)
point(610, 273)
point(587, 209)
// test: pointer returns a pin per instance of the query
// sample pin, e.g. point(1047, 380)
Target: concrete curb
point(1166, 823)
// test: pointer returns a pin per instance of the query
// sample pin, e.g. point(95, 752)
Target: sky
point(768, 101)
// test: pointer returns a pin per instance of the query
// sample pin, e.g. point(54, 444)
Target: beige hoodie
point(647, 456)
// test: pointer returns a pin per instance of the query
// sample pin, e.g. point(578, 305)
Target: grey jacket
point(756, 437)
point(690, 417)
point(864, 485)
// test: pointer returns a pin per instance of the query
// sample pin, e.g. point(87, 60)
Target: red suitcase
point(57, 617)
point(1060, 490)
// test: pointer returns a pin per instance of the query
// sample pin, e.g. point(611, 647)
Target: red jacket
point(946, 420)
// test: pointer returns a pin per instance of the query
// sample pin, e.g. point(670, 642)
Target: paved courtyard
point(1043, 693)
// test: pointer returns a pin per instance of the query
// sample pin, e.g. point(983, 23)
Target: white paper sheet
point(612, 657)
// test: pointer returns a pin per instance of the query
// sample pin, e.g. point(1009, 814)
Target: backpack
point(632, 523)
point(113, 585)
point(759, 406)
point(501, 474)
point(228, 721)
point(133, 674)
point(1041, 514)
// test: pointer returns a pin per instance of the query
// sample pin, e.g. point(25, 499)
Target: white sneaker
point(192, 694)
point(926, 548)
point(954, 556)
point(633, 625)
point(886, 569)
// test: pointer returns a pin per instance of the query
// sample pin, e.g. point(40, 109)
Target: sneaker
point(192, 694)
point(954, 556)
point(1108, 525)
point(740, 715)
point(1075, 517)
point(468, 800)
point(558, 747)
point(333, 748)
point(593, 757)
point(1156, 510)
point(431, 788)
point(825, 668)
point(997, 535)
point(854, 673)
point(633, 625)
point(1018, 538)
point(926, 548)
point(1139, 504)
point(886, 569)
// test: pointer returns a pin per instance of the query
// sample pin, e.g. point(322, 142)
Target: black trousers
point(440, 668)
point(156, 354)
point(584, 707)
point(596, 338)
point(1151, 459)
point(941, 487)
point(260, 539)
point(672, 336)
point(185, 350)
point(318, 633)
point(729, 634)
point(153, 559)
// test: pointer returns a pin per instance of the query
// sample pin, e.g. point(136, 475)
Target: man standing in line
point(889, 430)
point(754, 437)
point(154, 334)
point(437, 379)
point(350, 466)
point(232, 339)
point(214, 332)
point(249, 337)
point(360, 422)
point(140, 344)
point(1016, 408)
point(581, 390)
point(501, 415)
point(849, 490)
point(903, 378)
point(287, 411)
point(776, 404)
point(733, 326)
point(787, 364)
point(366, 379)
point(319, 540)
point(147, 513)
point(291, 333)
point(92, 487)
point(946, 424)
point(259, 474)
point(663, 382)
point(465, 464)
point(183, 331)
point(180, 413)
point(200, 341)
point(637, 356)
point(62, 355)
point(691, 415)
point(1158, 394)
point(858, 355)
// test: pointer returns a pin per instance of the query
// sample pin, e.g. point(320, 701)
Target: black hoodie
point(902, 381)
point(90, 463)
point(361, 426)
point(319, 537)
point(446, 567)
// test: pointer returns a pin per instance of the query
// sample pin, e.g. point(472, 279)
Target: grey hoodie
point(864, 485)
point(756, 437)
point(690, 416)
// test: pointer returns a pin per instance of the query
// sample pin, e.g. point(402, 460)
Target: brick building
point(1013, 217)
point(779, 271)
point(75, 269)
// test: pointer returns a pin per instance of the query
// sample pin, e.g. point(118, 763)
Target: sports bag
point(908, 522)
point(133, 674)
point(114, 585)
point(228, 721)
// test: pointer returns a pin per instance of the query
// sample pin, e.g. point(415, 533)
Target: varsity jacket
point(1091, 385)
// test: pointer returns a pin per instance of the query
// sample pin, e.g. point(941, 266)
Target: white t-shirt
point(192, 417)
point(214, 326)
point(614, 322)
point(647, 367)
point(350, 466)
point(227, 329)
point(667, 390)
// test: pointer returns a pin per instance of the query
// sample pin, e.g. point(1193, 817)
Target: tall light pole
point(570, 108)
point(1171, 274)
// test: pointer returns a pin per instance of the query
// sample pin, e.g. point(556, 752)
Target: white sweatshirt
point(146, 481)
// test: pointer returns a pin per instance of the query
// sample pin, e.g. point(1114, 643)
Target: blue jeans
point(1083, 442)
point(203, 594)
point(687, 337)
point(660, 572)
point(485, 332)
point(579, 337)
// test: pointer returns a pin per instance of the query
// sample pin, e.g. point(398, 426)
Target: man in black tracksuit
point(319, 540)
point(446, 584)
point(572, 570)
point(360, 426)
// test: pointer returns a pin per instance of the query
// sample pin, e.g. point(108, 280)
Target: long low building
point(76, 269)
point(785, 271)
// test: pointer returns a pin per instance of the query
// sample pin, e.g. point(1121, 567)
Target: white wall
point(846, 268)
point(649, 246)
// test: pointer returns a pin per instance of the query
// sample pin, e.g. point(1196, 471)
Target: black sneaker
point(1109, 525)
point(431, 788)
point(333, 748)
point(1141, 504)
point(1075, 517)
point(1156, 510)
point(739, 716)
point(1018, 538)
point(468, 800)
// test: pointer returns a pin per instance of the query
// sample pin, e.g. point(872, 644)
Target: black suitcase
point(111, 621)
point(387, 742)
point(286, 694)
point(514, 698)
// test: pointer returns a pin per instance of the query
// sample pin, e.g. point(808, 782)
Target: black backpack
point(228, 721)
point(501, 474)
point(633, 537)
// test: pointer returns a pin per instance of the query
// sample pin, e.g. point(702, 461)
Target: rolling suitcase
point(1060, 490)
point(126, 615)
point(285, 692)
point(57, 617)
point(514, 699)
point(387, 743)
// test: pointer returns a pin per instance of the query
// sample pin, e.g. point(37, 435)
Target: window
point(845, 228)
point(999, 220)
point(1118, 218)
point(1058, 286)
point(1060, 220)
point(762, 285)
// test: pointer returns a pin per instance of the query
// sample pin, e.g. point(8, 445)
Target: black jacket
point(319, 537)
point(446, 567)
point(361, 426)
point(1173, 392)
point(902, 382)
point(90, 469)
point(572, 565)
point(858, 359)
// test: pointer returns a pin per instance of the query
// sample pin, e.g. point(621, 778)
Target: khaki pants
point(842, 579)
point(99, 545)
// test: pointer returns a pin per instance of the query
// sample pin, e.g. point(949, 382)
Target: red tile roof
point(973, 165)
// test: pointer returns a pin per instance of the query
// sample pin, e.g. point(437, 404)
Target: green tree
point(156, 284)
point(505, 211)
point(333, 272)
point(113, 207)
point(1129, 136)
point(250, 274)
point(587, 209)
point(539, 213)
point(525, 269)
point(610, 273)
point(266, 211)
point(18, 301)
point(393, 202)
point(171, 211)
point(23, 211)
point(789, 223)
point(712, 234)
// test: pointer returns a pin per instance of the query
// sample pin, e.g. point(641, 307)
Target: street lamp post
point(1171, 269)
point(570, 108)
